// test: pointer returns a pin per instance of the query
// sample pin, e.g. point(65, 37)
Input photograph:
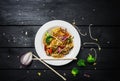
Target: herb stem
point(99, 48)
point(91, 34)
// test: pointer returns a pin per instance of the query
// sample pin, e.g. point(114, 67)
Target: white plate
point(40, 47)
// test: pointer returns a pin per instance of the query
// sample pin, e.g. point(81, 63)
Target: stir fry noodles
point(57, 42)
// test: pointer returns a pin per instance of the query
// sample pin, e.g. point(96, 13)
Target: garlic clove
point(26, 59)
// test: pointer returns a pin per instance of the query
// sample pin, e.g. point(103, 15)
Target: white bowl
point(39, 46)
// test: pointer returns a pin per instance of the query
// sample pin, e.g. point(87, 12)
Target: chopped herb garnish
point(91, 59)
point(48, 38)
point(74, 71)
point(81, 62)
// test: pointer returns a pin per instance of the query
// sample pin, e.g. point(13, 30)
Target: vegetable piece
point(48, 38)
point(81, 62)
point(59, 49)
point(26, 59)
point(50, 50)
point(74, 71)
point(91, 59)
point(69, 40)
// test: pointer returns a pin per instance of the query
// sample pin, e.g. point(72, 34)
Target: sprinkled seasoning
point(35, 66)
point(25, 39)
point(4, 34)
point(44, 70)
point(94, 63)
point(93, 10)
point(14, 41)
point(8, 56)
point(8, 40)
point(19, 14)
point(108, 42)
point(22, 31)
point(43, 4)
point(52, 11)
point(20, 66)
point(26, 33)
point(22, 22)
point(39, 73)
point(82, 18)
point(18, 56)
point(64, 74)
point(28, 72)
point(95, 68)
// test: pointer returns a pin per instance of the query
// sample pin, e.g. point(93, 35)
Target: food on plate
point(58, 42)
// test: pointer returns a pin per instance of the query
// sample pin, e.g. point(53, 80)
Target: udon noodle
point(58, 42)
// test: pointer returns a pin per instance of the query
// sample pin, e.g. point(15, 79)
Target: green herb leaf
point(81, 62)
point(91, 59)
point(48, 39)
point(74, 71)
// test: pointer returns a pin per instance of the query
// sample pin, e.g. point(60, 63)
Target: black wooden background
point(21, 19)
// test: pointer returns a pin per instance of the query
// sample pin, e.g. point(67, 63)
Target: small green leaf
point(74, 71)
point(48, 39)
point(81, 62)
point(91, 59)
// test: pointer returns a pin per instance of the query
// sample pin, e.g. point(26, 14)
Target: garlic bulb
point(26, 59)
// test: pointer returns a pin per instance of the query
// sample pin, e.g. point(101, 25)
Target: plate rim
point(37, 33)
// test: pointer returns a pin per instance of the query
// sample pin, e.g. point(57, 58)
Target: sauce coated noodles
point(58, 42)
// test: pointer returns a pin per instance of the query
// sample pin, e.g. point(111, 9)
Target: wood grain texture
point(107, 59)
point(15, 36)
point(38, 12)
point(31, 75)
point(21, 19)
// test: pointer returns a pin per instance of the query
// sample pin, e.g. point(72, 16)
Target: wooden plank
point(106, 59)
point(31, 75)
point(38, 12)
point(23, 36)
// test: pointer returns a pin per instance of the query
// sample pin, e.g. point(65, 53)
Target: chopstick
point(56, 59)
point(50, 67)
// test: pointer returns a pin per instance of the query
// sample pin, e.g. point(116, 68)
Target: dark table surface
point(21, 19)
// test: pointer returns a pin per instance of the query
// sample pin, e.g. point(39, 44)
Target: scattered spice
point(39, 73)
point(64, 74)
point(44, 70)
point(94, 63)
point(8, 56)
point(93, 10)
point(18, 56)
point(95, 68)
point(26, 33)
point(27, 71)
point(3, 34)
point(82, 18)
point(108, 42)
